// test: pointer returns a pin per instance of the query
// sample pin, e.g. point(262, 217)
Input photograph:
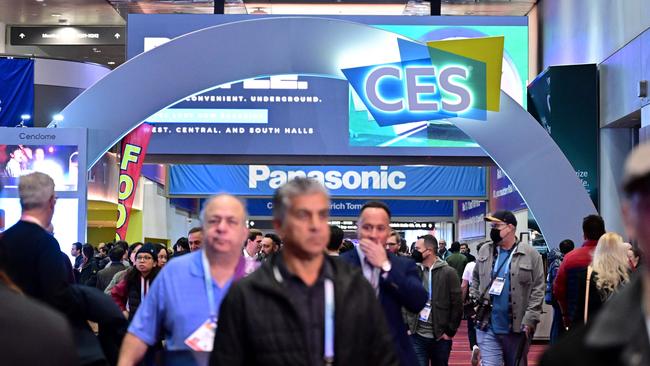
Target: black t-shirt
point(32, 258)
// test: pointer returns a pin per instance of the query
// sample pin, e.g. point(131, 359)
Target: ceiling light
point(39, 1)
point(56, 14)
point(111, 62)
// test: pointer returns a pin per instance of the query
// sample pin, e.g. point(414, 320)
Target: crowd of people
point(306, 295)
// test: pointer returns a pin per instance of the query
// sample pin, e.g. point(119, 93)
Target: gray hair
point(298, 186)
point(35, 190)
point(217, 196)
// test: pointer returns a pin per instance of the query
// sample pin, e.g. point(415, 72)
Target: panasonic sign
point(376, 179)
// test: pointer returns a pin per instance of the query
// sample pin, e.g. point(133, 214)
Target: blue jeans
point(502, 349)
point(430, 349)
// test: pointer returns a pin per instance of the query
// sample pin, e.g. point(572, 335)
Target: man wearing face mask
point(433, 328)
point(509, 276)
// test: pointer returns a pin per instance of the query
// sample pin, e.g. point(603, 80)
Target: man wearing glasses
point(393, 242)
point(395, 279)
point(509, 278)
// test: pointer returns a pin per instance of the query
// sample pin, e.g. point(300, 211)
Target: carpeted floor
point(461, 354)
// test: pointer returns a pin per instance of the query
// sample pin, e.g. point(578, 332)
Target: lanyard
point(430, 288)
point(328, 355)
point(328, 349)
point(507, 263)
point(207, 278)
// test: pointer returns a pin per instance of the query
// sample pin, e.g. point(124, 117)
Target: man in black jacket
point(618, 334)
point(31, 256)
point(302, 308)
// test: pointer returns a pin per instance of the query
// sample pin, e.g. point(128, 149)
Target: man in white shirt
point(253, 244)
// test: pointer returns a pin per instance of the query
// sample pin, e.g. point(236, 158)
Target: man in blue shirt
point(183, 303)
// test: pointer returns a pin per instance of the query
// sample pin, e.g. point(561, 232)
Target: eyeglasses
point(143, 258)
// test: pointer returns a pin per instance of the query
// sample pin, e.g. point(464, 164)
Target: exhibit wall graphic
point(270, 115)
point(322, 47)
point(59, 153)
point(471, 219)
point(16, 91)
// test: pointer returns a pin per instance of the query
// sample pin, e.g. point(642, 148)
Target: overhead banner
point(134, 149)
point(352, 207)
point(16, 91)
point(341, 181)
point(503, 194)
point(471, 219)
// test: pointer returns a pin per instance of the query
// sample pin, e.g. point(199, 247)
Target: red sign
point(134, 148)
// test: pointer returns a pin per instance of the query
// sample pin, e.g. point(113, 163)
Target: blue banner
point(504, 195)
point(16, 91)
point(471, 219)
point(351, 207)
point(341, 181)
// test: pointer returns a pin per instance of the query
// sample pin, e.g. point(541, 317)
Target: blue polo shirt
point(177, 303)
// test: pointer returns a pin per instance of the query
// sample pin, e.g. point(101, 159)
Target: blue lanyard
point(507, 263)
point(207, 277)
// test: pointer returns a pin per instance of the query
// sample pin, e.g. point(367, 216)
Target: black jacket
point(617, 335)
point(259, 325)
point(88, 276)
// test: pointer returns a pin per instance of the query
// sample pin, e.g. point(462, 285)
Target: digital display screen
point(312, 115)
point(60, 162)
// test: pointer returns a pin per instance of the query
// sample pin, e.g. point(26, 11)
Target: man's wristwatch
point(386, 266)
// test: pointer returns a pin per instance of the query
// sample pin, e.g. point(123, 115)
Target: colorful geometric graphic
point(439, 80)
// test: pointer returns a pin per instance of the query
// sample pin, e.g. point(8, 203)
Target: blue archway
point(195, 62)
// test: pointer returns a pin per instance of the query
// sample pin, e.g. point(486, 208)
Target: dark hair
point(276, 239)
point(88, 251)
point(183, 243)
point(455, 247)
point(122, 244)
point(77, 245)
point(376, 204)
point(116, 253)
point(195, 230)
point(593, 227)
point(346, 246)
point(431, 242)
point(336, 238)
point(254, 233)
point(468, 248)
point(566, 246)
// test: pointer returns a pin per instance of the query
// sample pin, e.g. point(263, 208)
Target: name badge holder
point(498, 283)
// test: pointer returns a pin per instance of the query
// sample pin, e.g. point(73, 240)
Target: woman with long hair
point(610, 270)
point(131, 290)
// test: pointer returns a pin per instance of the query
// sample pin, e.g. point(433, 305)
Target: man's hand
point(444, 337)
point(529, 330)
point(375, 252)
